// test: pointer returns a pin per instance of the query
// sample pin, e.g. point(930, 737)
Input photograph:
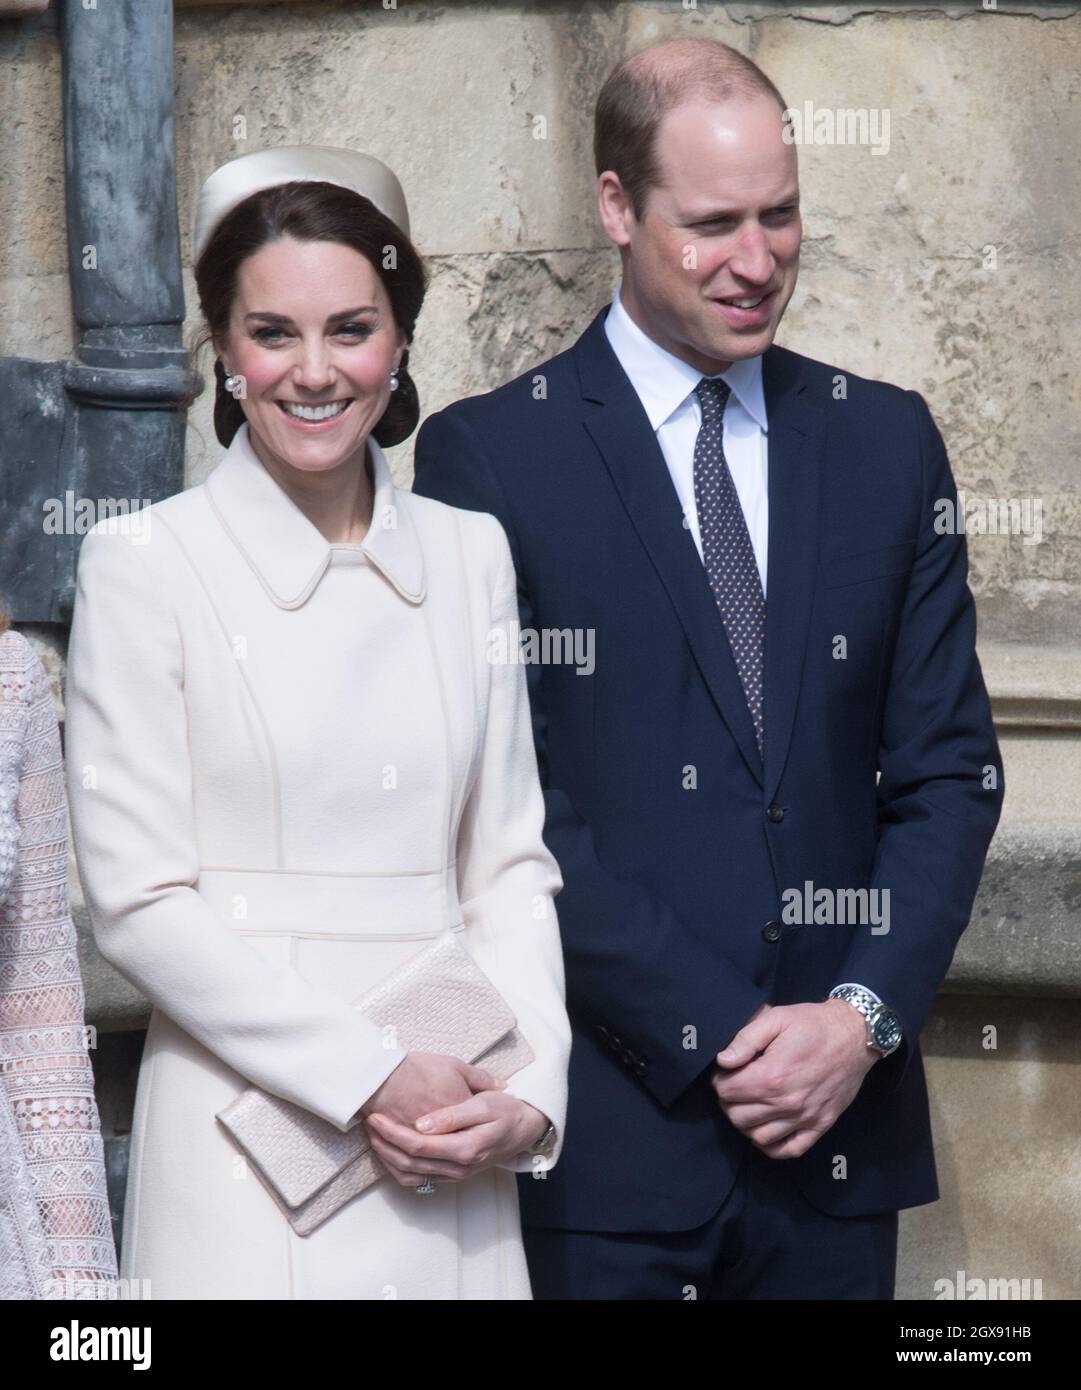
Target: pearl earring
point(394, 379)
point(230, 381)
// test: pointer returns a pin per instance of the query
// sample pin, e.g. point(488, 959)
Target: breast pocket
point(884, 563)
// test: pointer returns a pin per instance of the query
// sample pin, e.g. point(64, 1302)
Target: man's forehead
point(689, 149)
point(737, 112)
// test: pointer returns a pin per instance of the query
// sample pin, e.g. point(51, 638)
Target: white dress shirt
point(665, 386)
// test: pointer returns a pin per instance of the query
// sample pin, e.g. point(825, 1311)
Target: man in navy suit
point(772, 796)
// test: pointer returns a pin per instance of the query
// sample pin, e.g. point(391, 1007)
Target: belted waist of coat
point(353, 906)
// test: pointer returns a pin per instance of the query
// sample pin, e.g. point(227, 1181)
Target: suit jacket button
point(775, 812)
point(771, 931)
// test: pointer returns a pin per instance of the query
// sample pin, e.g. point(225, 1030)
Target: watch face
point(886, 1030)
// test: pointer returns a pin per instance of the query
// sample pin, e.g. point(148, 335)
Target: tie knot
point(713, 394)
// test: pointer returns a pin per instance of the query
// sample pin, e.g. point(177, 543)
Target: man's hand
point(813, 1061)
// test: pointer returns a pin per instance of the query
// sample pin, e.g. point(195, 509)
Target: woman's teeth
point(313, 412)
point(745, 303)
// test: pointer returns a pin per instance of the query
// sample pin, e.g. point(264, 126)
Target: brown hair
point(5, 622)
point(641, 91)
point(310, 211)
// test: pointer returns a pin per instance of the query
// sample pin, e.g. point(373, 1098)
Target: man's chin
point(736, 347)
point(752, 345)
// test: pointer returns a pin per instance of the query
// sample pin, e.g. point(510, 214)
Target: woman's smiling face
point(312, 326)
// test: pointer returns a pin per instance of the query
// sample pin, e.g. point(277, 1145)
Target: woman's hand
point(454, 1143)
point(425, 1081)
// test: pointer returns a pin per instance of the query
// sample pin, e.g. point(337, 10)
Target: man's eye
point(722, 224)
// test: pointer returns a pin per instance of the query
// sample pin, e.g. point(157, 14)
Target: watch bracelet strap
point(865, 1001)
point(542, 1148)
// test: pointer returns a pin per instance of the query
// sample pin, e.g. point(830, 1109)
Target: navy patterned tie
point(727, 552)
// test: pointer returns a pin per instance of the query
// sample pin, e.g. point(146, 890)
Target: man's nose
point(752, 258)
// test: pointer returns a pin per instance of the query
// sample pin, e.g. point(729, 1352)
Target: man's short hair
point(641, 91)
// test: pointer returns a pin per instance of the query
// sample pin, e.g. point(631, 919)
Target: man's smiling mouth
point(746, 301)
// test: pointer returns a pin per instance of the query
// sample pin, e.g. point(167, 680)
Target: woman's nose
point(314, 370)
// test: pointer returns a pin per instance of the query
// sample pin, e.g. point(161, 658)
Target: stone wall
point(946, 263)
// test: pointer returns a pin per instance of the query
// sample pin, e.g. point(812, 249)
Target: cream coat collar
point(287, 552)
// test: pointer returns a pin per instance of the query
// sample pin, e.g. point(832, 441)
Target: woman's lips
point(313, 426)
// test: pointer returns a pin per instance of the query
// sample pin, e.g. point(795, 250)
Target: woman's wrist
point(536, 1125)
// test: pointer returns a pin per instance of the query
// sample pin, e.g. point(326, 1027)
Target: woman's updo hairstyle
point(311, 211)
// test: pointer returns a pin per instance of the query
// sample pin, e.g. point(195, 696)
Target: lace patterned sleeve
point(44, 1060)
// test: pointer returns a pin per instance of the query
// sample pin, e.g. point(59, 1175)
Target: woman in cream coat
point(291, 765)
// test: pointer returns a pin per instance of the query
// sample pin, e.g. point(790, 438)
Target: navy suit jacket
point(676, 842)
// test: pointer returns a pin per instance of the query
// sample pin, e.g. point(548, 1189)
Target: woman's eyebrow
point(331, 318)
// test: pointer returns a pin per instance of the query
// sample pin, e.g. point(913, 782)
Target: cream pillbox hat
point(251, 173)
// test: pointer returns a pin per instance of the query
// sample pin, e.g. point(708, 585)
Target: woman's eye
point(356, 331)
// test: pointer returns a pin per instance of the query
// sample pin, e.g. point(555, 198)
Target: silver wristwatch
point(545, 1144)
point(883, 1025)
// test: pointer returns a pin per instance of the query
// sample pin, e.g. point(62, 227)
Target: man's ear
point(614, 206)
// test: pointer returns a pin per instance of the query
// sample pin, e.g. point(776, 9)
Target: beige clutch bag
point(439, 1000)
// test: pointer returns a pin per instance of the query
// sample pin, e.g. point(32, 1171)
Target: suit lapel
point(616, 421)
point(796, 438)
point(619, 426)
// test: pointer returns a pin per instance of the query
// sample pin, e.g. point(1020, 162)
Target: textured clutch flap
point(439, 1000)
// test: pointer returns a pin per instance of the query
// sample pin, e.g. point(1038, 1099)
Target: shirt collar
point(287, 552)
point(663, 381)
